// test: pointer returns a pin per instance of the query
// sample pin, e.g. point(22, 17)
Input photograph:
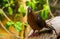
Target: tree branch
point(5, 14)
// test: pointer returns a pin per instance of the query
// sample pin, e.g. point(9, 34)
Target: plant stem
point(38, 11)
point(5, 15)
point(55, 2)
point(4, 27)
point(50, 10)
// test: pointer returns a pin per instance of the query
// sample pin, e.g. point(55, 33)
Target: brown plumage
point(35, 21)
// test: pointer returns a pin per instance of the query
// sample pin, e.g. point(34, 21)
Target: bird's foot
point(35, 34)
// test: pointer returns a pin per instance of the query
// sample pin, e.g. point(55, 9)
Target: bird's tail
point(52, 28)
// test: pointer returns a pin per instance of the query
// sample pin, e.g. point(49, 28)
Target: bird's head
point(29, 9)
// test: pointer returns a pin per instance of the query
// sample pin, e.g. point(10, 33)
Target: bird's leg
point(34, 33)
point(31, 34)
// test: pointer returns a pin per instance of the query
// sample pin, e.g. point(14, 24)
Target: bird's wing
point(40, 21)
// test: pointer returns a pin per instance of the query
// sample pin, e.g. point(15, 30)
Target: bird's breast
point(32, 22)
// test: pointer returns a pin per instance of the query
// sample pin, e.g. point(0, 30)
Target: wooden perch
point(55, 22)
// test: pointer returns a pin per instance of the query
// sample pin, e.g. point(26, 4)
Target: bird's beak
point(29, 10)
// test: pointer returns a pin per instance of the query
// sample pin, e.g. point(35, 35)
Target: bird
point(36, 22)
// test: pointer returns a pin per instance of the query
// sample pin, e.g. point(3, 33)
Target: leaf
point(6, 5)
point(45, 11)
point(18, 29)
point(10, 10)
point(17, 15)
point(31, 4)
point(26, 23)
point(18, 26)
point(33, 1)
point(11, 1)
point(9, 23)
point(44, 14)
point(7, 26)
point(22, 10)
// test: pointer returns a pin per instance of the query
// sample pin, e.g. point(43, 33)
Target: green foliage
point(1, 15)
point(7, 5)
point(17, 15)
point(11, 1)
point(26, 24)
point(22, 10)
point(9, 23)
point(45, 11)
point(50, 1)
point(17, 25)
point(39, 5)
point(31, 3)
point(4, 0)
point(10, 11)
point(1, 11)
